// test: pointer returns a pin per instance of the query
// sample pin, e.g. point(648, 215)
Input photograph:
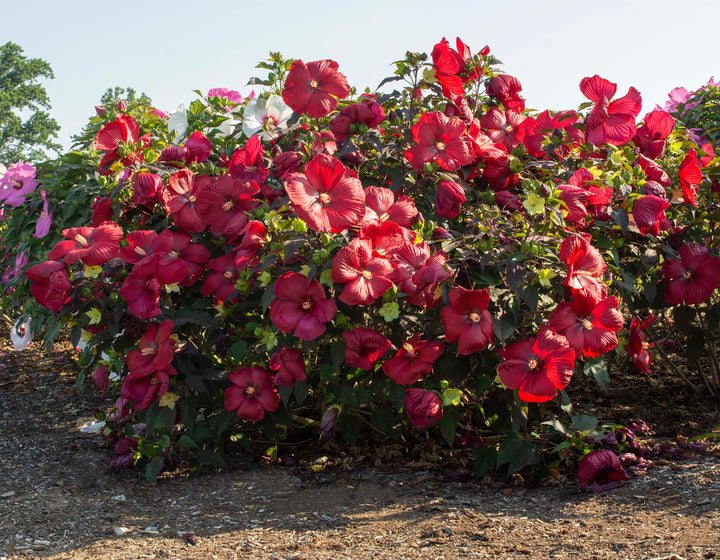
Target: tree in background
point(127, 95)
point(26, 128)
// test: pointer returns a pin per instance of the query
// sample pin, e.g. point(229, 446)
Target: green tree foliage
point(127, 95)
point(26, 128)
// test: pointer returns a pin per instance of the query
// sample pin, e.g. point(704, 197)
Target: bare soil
point(58, 500)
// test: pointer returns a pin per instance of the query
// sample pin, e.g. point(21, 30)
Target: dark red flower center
point(440, 146)
point(228, 205)
point(80, 239)
point(250, 391)
point(367, 274)
point(324, 198)
point(148, 351)
point(140, 251)
point(474, 317)
point(533, 364)
point(17, 184)
point(314, 84)
point(409, 348)
point(228, 274)
point(687, 274)
point(306, 305)
point(586, 324)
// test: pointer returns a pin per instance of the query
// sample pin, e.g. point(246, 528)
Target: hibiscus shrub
point(431, 260)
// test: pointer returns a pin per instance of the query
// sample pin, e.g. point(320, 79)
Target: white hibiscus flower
point(267, 116)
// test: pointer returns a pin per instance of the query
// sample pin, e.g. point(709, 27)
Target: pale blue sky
point(167, 49)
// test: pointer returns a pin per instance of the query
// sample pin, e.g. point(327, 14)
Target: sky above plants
point(168, 49)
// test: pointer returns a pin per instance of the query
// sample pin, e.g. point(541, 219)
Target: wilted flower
point(423, 407)
point(601, 470)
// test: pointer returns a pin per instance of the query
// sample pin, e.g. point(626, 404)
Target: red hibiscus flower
point(289, 365)
point(91, 245)
point(312, 88)
point(251, 393)
point(155, 350)
point(366, 276)
point(653, 171)
point(146, 390)
point(143, 286)
point(637, 348)
point(301, 307)
point(122, 132)
point(419, 272)
point(649, 214)
point(247, 164)
point(560, 123)
point(423, 407)
point(611, 122)
point(506, 89)
point(180, 199)
point(650, 137)
point(327, 196)
point(225, 271)
point(382, 206)
point(49, 284)
point(690, 177)
point(441, 140)
point(467, 320)
point(601, 470)
point(194, 255)
point(585, 264)
point(357, 118)
point(448, 199)
point(575, 198)
point(448, 64)
point(588, 324)
point(414, 359)
point(506, 127)
point(101, 210)
point(224, 204)
point(693, 278)
point(364, 347)
point(147, 189)
point(539, 367)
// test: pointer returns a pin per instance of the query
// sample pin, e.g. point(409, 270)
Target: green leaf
point(517, 453)
point(153, 468)
point(187, 442)
point(238, 350)
point(503, 329)
point(597, 368)
point(485, 460)
point(583, 422)
point(448, 423)
point(208, 457)
point(384, 419)
point(451, 397)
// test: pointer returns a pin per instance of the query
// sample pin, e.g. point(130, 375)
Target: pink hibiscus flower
point(313, 88)
point(251, 393)
point(301, 307)
point(327, 196)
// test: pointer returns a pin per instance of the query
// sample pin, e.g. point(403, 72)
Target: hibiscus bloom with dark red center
point(91, 245)
point(327, 196)
point(539, 367)
point(289, 366)
point(313, 88)
point(156, 349)
point(364, 347)
point(49, 284)
point(441, 140)
point(251, 393)
point(423, 407)
point(560, 124)
point(467, 320)
point(381, 206)
point(649, 214)
point(693, 278)
point(357, 118)
point(194, 255)
point(601, 470)
point(180, 200)
point(301, 307)
point(448, 64)
point(650, 137)
point(224, 274)
point(507, 127)
point(224, 205)
point(366, 276)
point(609, 122)
point(588, 324)
point(413, 359)
point(247, 164)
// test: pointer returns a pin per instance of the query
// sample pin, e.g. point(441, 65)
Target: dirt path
point(57, 501)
